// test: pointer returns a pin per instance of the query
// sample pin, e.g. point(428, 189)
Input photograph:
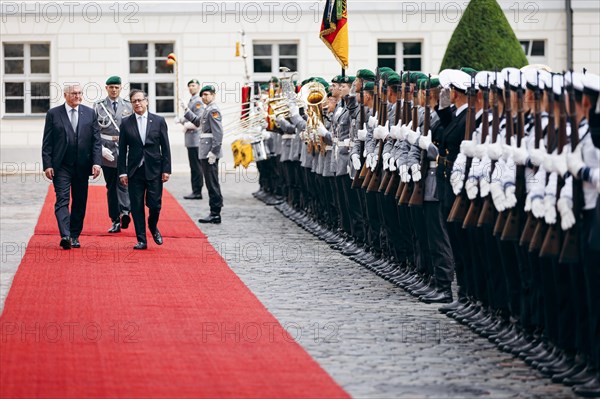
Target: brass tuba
point(313, 94)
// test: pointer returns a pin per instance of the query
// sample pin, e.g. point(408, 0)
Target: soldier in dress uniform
point(110, 111)
point(209, 150)
point(192, 139)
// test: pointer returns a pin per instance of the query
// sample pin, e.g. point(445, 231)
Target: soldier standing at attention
point(192, 139)
point(209, 150)
point(110, 111)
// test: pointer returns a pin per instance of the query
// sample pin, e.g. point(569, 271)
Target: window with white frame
point(269, 57)
point(26, 88)
point(399, 55)
point(149, 71)
point(535, 50)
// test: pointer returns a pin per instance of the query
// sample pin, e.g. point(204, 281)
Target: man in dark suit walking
point(144, 138)
point(71, 151)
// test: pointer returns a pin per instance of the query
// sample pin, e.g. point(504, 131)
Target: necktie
point(74, 119)
point(115, 106)
point(142, 128)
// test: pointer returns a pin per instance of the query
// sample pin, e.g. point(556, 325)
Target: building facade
point(48, 44)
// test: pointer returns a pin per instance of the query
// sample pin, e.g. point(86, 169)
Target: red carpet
point(170, 322)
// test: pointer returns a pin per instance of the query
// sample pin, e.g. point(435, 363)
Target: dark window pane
point(412, 64)
point(386, 62)
point(288, 49)
point(262, 49)
point(40, 89)
point(14, 106)
point(537, 47)
point(412, 48)
point(40, 66)
point(13, 50)
point(165, 106)
point(139, 86)
point(40, 50)
point(40, 106)
point(291, 63)
point(386, 48)
point(138, 50)
point(164, 89)
point(138, 66)
point(525, 46)
point(162, 67)
point(262, 65)
point(163, 49)
point(13, 89)
point(13, 66)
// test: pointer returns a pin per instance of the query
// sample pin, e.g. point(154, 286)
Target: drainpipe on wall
point(569, 12)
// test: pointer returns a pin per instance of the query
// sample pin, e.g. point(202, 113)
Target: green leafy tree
point(483, 40)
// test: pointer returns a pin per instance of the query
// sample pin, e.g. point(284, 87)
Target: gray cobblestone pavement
point(373, 338)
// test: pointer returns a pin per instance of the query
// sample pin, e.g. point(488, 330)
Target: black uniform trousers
point(141, 189)
point(211, 179)
point(357, 224)
point(197, 180)
point(117, 195)
point(70, 185)
point(442, 259)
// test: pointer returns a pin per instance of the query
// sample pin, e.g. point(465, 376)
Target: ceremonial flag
point(334, 30)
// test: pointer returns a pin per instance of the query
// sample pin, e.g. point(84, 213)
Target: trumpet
point(313, 95)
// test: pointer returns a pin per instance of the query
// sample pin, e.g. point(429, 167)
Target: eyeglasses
point(138, 101)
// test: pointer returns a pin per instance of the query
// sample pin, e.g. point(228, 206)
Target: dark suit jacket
point(156, 151)
point(57, 133)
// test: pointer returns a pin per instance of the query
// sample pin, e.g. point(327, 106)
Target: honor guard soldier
point(110, 111)
point(209, 150)
point(192, 139)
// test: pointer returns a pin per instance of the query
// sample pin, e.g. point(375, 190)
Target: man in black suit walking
point(71, 151)
point(144, 138)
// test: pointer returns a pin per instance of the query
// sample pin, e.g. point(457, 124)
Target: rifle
point(513, 222)
point(474, 212)
point(531, 223)
point(376, 176)
point(488, 212)
point(552, 240)
point(358, 177)
point(395, 177)
point(409, 188)
point(416, 199)
point(365, 170)
point(459, 207)
point(406, 118)
point(570, 247)
point(502, 216)
point(541, 228)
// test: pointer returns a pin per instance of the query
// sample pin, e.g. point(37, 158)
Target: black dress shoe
point(75, 243)
point(590, 389)
point(116, 227)
point(125, 220)
point(444, 296)
point(140, 245)
point(453, 305)
point(215, 219)
point(65, 242)
point(157, 237)
point(193, 196)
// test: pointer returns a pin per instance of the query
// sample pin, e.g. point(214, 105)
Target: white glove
point(369, 160)
point(471, 188)
point(413, 136)
point(293, 107)
point(537, 207)
point(537, 155)
point(457, 178)
point(484, 186)
point(212, 158)
point(495, 151)
point(361, 134)
point(444, 98)
point(424, 141)
point(404, 130)
point(510, 199)
point(356, 161)
point(560, 163)
point(467, 147)
point(381, 132)
point(372, 121)
point(374, 160)
point(107, 154)
point(392, 164)
point(550, 209)
point(385, 158)
point(548, 163)
point(182, 105)
point(565, 207)
point(520, 154)
point(481, 149)
point(506, 151)
point(497, 196)
point(404, 175)
point(575, 161)
point(395, 130)
point(177, 120)
point(322, 131)
point(416, 172)
point(528, 203)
